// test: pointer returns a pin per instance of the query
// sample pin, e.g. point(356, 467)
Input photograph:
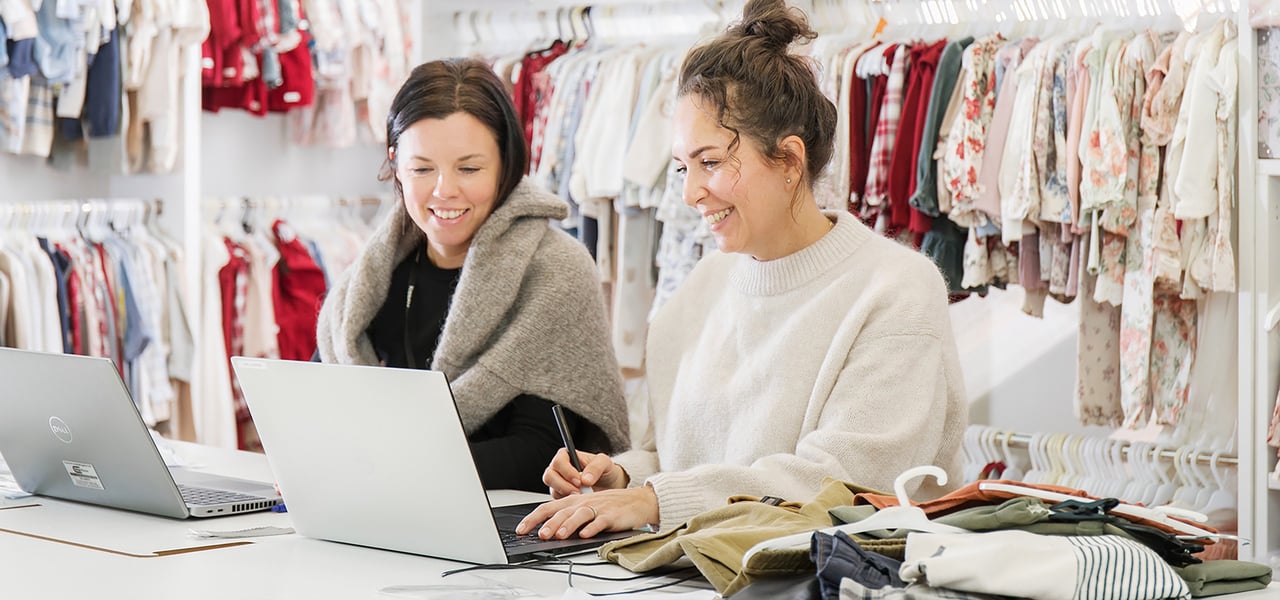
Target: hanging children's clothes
point(298, 289)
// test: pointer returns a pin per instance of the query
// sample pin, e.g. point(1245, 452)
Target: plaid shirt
point(886, 134)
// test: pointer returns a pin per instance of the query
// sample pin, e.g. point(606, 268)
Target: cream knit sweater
point(764, 378)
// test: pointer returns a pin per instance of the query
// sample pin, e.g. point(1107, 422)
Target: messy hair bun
point(772, 23)
point(756, 89)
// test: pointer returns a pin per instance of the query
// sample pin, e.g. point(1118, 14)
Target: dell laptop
point(378, 457)
point(69, 429)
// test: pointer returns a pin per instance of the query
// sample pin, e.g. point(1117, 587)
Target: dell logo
point(60, 429)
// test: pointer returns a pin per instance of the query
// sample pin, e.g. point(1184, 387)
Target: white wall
point(1019, 370)
point(28, 178)
point(244, 155)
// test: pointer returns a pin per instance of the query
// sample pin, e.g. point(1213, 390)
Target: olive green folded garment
point(1218, 577)
point(716, 540)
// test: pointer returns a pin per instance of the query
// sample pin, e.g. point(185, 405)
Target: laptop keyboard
point(205, 496)
point(511, 540)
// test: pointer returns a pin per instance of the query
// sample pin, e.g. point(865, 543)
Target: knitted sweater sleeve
point(894, 404)
point(641, 461)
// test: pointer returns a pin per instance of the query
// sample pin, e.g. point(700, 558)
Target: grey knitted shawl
point(527, 317)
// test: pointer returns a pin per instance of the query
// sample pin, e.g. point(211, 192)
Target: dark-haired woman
point(470, 278)
point(807, 347)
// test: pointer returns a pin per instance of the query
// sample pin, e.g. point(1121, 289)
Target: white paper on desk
point(119, 530)
point(9, 488)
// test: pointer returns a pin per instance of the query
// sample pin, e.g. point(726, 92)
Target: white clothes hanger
point(1013, 466)
point(1222, 498)
point(904, 516)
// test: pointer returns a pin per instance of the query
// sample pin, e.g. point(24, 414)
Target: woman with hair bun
point(806, 347)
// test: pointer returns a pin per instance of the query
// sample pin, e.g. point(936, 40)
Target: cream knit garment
point(764, 378)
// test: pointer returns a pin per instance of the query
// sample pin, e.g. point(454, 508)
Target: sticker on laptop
point(83, 475)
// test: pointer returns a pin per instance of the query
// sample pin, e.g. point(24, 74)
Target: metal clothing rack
point(1023, 440)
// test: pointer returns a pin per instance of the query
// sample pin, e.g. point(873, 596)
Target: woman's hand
point(598, 472)
point(589, 514)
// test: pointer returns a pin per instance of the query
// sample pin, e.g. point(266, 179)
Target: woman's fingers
point(595, 469)
point(590, 514)
point(537, 517)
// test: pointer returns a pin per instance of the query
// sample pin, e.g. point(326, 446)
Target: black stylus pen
point(568, 442)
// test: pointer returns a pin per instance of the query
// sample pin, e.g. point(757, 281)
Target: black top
point(512, 448)
point(413, 323)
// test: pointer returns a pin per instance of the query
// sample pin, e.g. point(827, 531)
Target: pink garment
point(1078, 96)
point(988, 200)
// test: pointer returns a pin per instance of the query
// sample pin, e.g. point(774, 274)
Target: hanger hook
point(900, 483)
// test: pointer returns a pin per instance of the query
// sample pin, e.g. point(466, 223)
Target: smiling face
point(449, 170)
point(743, 196)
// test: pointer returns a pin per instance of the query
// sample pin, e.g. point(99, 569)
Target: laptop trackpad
point(222, 482)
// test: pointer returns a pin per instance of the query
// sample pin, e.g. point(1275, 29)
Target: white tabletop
point(288, 566)
point(281, 567)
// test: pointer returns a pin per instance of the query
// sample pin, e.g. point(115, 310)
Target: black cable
point(540, 564)
point(638, 590)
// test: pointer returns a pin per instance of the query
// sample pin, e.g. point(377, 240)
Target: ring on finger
point(594, 514)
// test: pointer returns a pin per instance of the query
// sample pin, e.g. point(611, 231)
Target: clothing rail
point(1023, 440)
point(293, 202)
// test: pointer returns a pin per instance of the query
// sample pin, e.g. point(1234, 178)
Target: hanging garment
point(948, 72)
point(962, 158)
point(1137, 311)
point(1097, 397)
point(903, 166)
point(297, 291)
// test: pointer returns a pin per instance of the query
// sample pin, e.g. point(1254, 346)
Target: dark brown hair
point(441, 88)
point(754, 87)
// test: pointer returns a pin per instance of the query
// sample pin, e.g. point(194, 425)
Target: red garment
point(233, 280)
point(902, 166)
point(298, 87)
point(233, 283)
point(113, 347)
point(73, 306)
point(525, 93)
point(237, 30)
point(297, 290)
point(543, 88)
point(224, 34)
point(859, 144)
point(249, 17)
point(73, 298)
point(298, 83)
point(250, 96)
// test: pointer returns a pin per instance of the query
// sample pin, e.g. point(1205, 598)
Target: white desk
point(280, 567)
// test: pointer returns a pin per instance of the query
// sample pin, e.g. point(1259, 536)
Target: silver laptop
point(69, 429)
point(378, 457)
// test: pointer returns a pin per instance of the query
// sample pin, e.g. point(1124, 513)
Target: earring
point(788, 181)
